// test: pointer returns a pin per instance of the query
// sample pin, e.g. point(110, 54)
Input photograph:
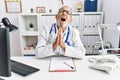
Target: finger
point(57, 39)
point(56, 43)
point(60, 31)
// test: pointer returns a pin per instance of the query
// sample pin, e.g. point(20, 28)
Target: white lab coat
point(44, 46)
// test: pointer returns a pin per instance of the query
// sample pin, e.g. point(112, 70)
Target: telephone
point(102, 60)
point(103, 64)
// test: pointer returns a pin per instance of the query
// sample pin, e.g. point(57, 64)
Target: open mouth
point(63, 19)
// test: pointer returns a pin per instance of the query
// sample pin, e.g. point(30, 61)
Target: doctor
point(60, 39)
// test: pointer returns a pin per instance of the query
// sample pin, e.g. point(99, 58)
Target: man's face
point(64, 16)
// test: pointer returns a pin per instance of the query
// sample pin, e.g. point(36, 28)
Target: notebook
point(62, 64)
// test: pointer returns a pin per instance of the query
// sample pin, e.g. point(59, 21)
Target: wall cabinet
point(85, 22)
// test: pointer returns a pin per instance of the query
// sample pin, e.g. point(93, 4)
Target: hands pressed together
point(59, 40)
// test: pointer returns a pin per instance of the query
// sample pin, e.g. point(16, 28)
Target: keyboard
point(22, 69)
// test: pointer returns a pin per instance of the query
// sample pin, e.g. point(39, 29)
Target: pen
point(69, 65)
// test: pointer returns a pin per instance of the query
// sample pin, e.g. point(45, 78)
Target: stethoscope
point(55, 30)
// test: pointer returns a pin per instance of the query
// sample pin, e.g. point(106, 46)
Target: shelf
point(28, 14)
point(84, 22)
point(90, 34)
point(30, 33)
point(92, 13)
point(26, 20)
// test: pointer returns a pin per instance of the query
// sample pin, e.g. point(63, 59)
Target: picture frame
point(13, 6)
point(40, 9)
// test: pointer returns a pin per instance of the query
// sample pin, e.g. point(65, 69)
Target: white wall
point(109, 6)
point(112, 12)
point(49, 4)
point(14, 37)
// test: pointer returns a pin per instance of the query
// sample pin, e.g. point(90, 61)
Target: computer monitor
point(5, 66)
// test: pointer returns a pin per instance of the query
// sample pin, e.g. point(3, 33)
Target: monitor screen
point(5, 66)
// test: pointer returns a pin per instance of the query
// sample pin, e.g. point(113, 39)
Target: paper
point(61, 64)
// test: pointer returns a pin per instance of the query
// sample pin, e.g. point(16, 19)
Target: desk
point(83, 71)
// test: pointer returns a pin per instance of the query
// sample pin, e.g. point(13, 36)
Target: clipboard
point(62, 64)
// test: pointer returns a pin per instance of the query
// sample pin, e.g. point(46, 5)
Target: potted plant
point(31, 26)
point(31, 10)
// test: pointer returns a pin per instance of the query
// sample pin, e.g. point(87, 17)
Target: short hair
point(64, 6)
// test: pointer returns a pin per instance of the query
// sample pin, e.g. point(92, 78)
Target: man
point(60, 39)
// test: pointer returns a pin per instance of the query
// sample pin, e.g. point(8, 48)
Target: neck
point(63, 28)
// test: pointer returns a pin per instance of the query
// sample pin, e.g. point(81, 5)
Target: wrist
point(54, 45)
point(63, 47)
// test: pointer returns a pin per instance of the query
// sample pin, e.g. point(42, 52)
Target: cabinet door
point(90, 30)
point(47, 20)
point(76, 21)
point(90, 22)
